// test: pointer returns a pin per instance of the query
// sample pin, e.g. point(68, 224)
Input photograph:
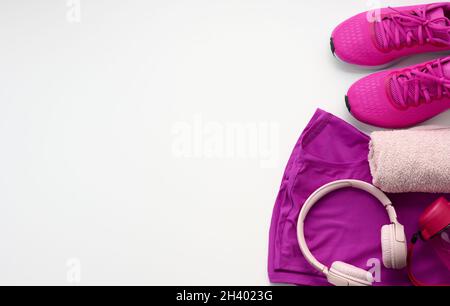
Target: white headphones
point(393, 239)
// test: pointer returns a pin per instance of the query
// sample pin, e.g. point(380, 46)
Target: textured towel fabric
point(416, 160)
point(345, 225)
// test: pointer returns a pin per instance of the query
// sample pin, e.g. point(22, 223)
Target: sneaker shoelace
point(421, 85)
point(409, 28)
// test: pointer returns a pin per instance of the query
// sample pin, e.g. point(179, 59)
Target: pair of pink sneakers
point(401, 97)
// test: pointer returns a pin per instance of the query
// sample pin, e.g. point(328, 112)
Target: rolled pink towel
point(416, 160)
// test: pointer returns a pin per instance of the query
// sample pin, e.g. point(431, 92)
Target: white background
point(107, 114)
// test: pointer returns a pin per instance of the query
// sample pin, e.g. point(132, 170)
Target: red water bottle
point(434, 225)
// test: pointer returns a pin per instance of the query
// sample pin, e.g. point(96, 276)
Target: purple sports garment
point(346, 224)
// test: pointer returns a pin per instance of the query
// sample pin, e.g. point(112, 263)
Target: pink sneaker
point(377, 39)
point(402, 97)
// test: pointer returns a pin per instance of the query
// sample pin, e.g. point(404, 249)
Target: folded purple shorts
point(346, 224)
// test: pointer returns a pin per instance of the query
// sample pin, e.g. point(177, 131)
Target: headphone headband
point(323, 191)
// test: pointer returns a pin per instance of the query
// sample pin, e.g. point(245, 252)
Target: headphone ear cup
point(353, 275)
point(386, 247)
point(394, 252)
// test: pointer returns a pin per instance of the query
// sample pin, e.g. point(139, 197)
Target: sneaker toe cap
point(368, 102)
point(352, 43)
